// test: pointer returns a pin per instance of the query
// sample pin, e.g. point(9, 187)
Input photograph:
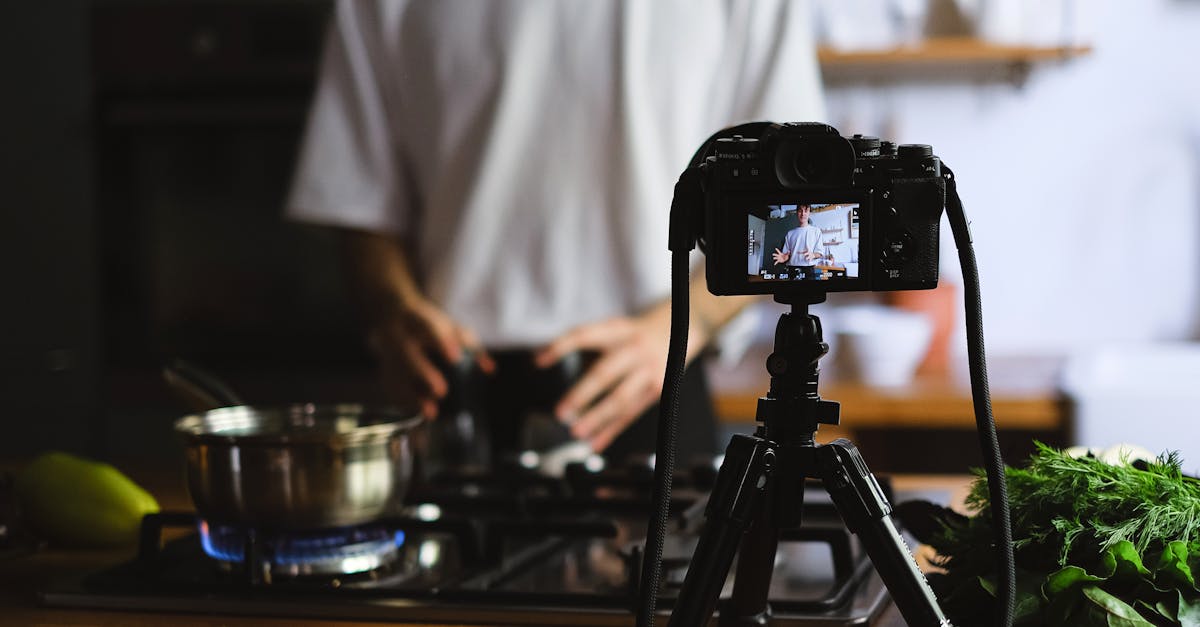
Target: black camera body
point(801, 210)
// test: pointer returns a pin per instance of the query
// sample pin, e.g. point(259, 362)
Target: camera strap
point(684, 229)
point(985, 425)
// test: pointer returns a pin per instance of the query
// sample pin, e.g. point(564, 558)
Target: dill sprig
point(1086, 504)
point(1122, 537)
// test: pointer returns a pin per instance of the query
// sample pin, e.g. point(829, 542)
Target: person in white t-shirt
point(502, 172)
point(802, 246)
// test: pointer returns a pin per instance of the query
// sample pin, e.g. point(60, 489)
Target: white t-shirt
point(800, 240)
point(526, 151)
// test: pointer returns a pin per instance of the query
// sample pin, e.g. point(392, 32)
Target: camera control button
point(777, 365)
point(897, 249)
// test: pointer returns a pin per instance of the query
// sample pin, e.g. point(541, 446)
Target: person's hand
point(624, 381)
point(411, 342)
point(809, 256)
point(780, 256)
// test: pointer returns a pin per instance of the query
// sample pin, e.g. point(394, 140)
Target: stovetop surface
point(472, 551)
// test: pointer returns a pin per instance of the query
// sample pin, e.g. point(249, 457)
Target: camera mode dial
point(918, 160)
point(916, 152)
point(741, 153)
point(865, 145)
point(736, 148)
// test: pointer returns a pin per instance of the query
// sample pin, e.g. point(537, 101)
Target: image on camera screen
point(803, 242)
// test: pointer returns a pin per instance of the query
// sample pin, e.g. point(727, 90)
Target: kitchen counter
point(934, 412)
point(22, 577)
point(1024, 394)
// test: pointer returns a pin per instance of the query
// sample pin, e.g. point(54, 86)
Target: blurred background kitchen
point(146, 149)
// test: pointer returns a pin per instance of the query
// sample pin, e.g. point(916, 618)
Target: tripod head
point(792, 409)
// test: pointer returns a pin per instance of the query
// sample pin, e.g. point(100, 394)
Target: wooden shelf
point(943, 57)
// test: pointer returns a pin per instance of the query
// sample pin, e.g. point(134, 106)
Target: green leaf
point(1108, 563)
point(1062, 610)
point(1029, 602)
point(1066, 578)
point(964, 599)
point(1189, 612)
point(1173, 567)
point(1161, 608)
point(1027, 606)
point(1126, 564)
point(1118, 612)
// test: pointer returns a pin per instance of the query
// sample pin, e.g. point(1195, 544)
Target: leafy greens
point(1096, 544)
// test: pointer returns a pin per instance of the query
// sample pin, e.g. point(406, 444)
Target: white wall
point(1082, 185)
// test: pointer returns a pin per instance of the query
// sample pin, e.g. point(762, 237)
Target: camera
point(797, 209)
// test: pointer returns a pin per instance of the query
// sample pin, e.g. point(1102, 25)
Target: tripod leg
point(782, 509)
point(736, 500)
point(756, 565)
point(867, 514)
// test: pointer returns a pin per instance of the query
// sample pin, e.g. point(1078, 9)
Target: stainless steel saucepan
point(300, 466)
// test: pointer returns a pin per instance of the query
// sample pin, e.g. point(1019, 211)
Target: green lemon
point(80, 502)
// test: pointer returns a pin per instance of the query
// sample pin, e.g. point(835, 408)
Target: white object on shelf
point(1046, 23)
point(879, 346)
point(910, 17)
point(856, 25)
point(1146, 394)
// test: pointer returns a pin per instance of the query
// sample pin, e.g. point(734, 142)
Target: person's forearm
point(707, 313)
point(380, 274)
point(406, 331)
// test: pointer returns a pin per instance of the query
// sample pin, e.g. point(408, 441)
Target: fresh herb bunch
point(1096, 544)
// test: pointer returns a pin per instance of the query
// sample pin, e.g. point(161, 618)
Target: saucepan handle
point(200, 389)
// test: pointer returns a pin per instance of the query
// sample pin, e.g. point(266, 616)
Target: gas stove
point(512, 548)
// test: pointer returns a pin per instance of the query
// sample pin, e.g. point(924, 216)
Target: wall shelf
point(942, 58)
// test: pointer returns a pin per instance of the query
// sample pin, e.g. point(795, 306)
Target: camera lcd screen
point(803, 242)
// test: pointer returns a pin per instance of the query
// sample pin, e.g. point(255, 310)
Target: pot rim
point(297, 423)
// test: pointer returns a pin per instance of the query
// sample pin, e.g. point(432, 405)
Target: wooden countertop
point(22, 577)
point(1023, 392)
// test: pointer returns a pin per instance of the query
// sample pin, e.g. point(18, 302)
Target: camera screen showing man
point(803, 242)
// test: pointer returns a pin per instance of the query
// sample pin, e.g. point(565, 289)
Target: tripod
point(761, 486)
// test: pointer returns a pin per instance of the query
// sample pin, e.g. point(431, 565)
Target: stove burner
point(522, 549)
point(342, 551)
